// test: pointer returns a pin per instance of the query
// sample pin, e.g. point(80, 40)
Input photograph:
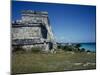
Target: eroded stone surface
point(33, 30)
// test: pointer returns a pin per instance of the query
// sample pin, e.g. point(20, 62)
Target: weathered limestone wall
point(33, 30)
point(26, 32)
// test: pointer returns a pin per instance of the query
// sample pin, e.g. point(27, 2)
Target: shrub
point(36, 49)
point(88, 51)
point(78, 45)
point(18, 48)
point(60, 47)
point(82, 50)
point(67, 48)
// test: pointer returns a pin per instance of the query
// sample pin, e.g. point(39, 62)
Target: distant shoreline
point(75, 42)
point(89, 46)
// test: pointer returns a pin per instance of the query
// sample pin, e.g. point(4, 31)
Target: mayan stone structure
point(33, 30)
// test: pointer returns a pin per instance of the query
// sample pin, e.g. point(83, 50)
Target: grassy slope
point(61, 61)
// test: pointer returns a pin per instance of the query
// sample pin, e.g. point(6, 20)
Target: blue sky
point(70, 23)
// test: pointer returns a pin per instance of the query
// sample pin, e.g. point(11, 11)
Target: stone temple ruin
point(33, 30)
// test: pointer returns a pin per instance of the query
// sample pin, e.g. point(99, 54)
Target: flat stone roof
point(34, 12)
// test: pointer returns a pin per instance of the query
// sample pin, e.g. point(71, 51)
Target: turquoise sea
point(89, 46)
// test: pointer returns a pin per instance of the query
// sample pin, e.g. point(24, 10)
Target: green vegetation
point(65, 48)
point(36, 49)
point(82, 50)
point(66, 58)
point(88, 51)
point(73, 47)
point(18, 49)
point(31, 62)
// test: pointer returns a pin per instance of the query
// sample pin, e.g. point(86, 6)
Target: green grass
point(28, 62)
